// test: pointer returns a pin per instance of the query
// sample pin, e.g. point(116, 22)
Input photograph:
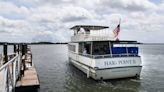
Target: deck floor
point(29, 79)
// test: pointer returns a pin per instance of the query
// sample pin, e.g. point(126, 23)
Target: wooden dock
point(17, 71)
point(29, 80)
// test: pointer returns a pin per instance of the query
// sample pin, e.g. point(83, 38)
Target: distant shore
point(152, 43)
point(33, 43)
point(48, 43)
point(42, 43)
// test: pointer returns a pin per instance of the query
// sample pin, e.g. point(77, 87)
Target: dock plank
point(30, 78)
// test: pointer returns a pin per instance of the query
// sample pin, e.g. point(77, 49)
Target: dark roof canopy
point(117, 42)
point(124, 42)
point(90, 27)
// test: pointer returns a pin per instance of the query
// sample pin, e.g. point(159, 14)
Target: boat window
point(124, 50)
point(71, 47)
point(81, 48)
point(100, 48)
point(85, 47)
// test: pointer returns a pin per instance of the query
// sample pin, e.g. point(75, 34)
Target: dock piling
point(15, 48)
point(5, 53)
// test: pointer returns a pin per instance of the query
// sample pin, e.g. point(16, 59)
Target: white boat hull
point(102, 56)
point(108, 73)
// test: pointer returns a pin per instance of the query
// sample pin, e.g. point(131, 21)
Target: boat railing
point(109, 55)
point(91, 37)
point(114, 55)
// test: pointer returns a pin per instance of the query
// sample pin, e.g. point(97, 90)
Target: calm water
point(57, 75)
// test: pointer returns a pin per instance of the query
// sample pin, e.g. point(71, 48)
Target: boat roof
point(125, 42)
point(90, 27)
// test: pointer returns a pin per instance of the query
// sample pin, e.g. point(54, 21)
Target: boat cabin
point(98, 49)
point(94, 46)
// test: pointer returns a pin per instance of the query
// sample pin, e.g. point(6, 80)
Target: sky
point(50, 20)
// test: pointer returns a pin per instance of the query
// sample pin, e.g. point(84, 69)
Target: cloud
point(131, 5)
point(8, 23)
point(50, 20)
point(43, 38)
point(11, 11)
point(50, 13)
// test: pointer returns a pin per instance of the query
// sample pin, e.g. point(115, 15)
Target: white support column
point(91, 48)
point(110, 49)
point(127, 51)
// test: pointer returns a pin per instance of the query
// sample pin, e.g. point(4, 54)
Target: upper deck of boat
point(91, 33)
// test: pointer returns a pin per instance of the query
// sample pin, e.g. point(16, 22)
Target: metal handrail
point(6, 64)
point(11, 71)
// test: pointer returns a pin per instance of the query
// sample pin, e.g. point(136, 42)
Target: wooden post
point(23, 58)
point(5, 53)
point(18, 49)
point(20, 62)
point(15, 48)
point(91, 52)
point(23, 49)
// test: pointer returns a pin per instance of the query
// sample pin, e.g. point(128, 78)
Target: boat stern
point(113, 68)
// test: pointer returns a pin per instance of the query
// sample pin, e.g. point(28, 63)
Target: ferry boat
point(102, 56)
